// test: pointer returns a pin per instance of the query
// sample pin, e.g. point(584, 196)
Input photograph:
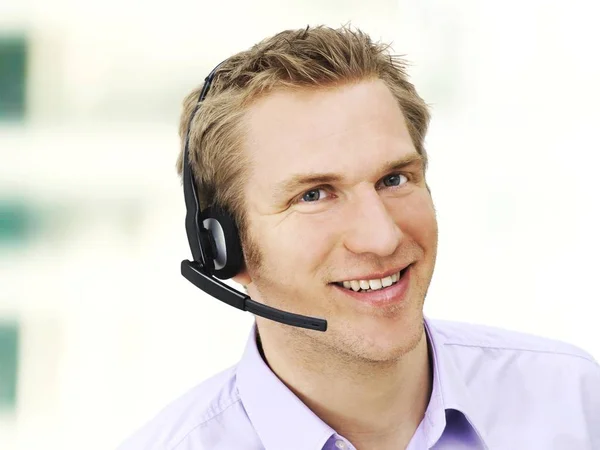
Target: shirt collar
point(279, 417)
point(277, 414)
point(449, 392)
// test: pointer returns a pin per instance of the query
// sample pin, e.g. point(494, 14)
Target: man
point(313, 140)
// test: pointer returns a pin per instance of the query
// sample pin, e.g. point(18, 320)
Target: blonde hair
point(308, 58)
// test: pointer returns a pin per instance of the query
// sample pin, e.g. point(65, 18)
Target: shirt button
point(341, 444)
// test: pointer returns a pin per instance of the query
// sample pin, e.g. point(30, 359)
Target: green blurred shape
point(16, 221)
point(13, 74)
point(9, 345)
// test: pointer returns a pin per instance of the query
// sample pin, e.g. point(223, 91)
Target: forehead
point(348, 129)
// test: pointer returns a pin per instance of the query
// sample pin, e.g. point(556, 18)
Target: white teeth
point(375, 284)
point(357, 285)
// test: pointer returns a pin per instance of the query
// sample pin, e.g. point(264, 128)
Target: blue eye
point(394, 180)
point(312, 196)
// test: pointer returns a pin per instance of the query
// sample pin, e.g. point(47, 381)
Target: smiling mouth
point(374, 284)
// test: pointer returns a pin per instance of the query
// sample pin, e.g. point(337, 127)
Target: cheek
point(417, 220)
point(297, 247)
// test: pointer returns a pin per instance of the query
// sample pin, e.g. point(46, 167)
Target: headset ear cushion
point(228, 259)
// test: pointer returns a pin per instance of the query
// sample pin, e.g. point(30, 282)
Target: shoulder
point(490, 350)
point(191, 416)
point(492, 338)
point(543, 390)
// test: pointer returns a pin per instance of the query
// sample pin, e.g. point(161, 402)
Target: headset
point(216, 248)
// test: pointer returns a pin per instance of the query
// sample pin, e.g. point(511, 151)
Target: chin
point(381, 339)
point(385, 352)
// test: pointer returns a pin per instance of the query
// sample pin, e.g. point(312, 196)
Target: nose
point(370, 226)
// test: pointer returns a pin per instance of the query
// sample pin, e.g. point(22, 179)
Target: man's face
point(337, 192)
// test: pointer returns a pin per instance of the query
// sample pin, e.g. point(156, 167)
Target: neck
point(373, 404)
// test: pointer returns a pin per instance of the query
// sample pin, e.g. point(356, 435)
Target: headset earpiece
point(225, 246)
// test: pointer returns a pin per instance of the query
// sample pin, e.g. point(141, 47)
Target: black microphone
point(193, 271)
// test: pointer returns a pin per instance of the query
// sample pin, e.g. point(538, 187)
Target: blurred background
point(98, 330)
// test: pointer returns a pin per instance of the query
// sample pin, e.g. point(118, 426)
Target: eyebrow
point(298, 181)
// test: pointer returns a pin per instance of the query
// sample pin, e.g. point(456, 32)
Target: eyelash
point(328, 188)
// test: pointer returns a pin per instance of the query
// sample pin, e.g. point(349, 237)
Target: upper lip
point(377, 275)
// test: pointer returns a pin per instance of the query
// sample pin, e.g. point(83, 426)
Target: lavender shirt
point(492, 389)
